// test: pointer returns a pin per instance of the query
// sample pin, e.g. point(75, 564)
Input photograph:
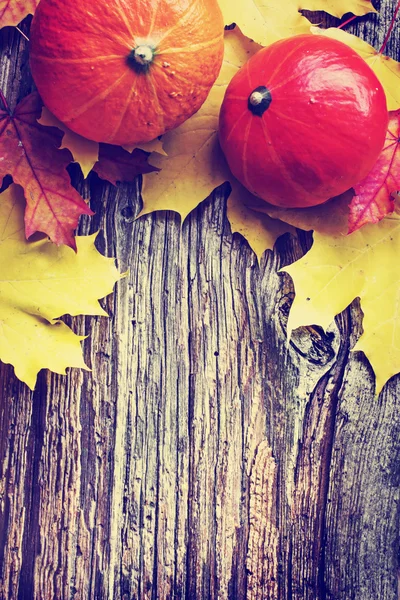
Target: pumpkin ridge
point(112, 36)
point(177, 76)
point(122, 14)
point(153, 20)
point(279, 66)
point(281, 83)
point(322, 134)
point(244, 156)
point(296, 121)
point(178, 25)
point(124, 111)
point(247, 74)
point(73, 61)
point(236, 124)
point(189, 48)
point(153, 86)
point(310, 125)
point(101, 96)
point(279, 162)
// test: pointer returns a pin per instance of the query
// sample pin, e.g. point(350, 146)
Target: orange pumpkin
point(304, 120)
point(125, 71)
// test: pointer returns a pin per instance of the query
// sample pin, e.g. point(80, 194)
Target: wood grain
point(202, 457)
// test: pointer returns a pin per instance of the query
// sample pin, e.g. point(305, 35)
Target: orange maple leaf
point(13, 11)
point(30, 154)
point(374, 195)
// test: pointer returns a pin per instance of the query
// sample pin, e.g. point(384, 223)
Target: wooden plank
point(202, 458)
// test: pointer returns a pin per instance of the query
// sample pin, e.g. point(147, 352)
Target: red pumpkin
point(303, 121)
point(125, 71)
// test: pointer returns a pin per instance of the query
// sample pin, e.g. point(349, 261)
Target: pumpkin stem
point(140, 58)
point(259, 100)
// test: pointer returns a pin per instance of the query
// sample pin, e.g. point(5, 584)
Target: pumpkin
point(303, 121)
point(125, 71)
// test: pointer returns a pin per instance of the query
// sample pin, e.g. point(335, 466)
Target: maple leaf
point(85, 152)
point(339, 269)
point(374, 195)
point(13, 11)
point(153, 146)
point(39, 282)
point(338, 8)
point(260, 230)
point(28, 153)
point(386, 69)
point(116, 164)
point(329, 218)
point(266, 21)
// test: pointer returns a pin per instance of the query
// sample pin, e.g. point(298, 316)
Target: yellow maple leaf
point(263, 20)
point(339, 269)
point(267, 21)
point(386, 69)
point(39, 282)
point(260, 230)
point(84, 151)
point(194, 164)
point(338, 8)
point(330, 218)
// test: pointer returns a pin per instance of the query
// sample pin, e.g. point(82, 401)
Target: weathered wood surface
point(201, 458)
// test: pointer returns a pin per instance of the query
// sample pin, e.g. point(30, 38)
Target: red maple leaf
point(374, 195)
point(13, 11)
point(116, 164)
point(29, 153)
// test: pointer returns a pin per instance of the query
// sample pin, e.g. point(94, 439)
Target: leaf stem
point(389, 31)
point(347, 22)
point(22, 33)
point(4, 101)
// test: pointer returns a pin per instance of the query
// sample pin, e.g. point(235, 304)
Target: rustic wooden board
point(202, 458)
